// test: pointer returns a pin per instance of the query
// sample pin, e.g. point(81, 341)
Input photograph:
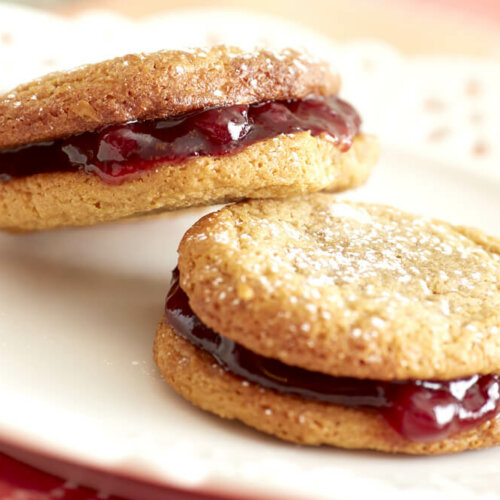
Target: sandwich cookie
point(330, 322)
point(153, 132)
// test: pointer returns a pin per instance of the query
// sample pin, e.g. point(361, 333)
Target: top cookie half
point(157, 85)
point(347, 289)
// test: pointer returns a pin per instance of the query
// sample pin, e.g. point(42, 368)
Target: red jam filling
point(419, 410)
point(122, 152)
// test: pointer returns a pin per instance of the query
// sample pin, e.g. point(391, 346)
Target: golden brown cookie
point(174, 129)
point(352, 324)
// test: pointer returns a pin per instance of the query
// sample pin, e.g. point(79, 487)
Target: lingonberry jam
point(122, 152)
point(420, 410)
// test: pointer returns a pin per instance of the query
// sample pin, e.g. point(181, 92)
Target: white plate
point(78, 311)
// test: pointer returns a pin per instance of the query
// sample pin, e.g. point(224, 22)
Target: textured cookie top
point(346, 288)
point(148, 86)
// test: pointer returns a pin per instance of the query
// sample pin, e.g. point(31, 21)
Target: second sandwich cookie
point(350, 324)
point(173, 129)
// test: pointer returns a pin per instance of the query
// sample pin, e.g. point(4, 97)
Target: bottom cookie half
point(284, 166)
point(195, 375)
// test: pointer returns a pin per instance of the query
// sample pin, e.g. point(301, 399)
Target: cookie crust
point(193, 374)
point(279, 167)
point(156, 85)
point(347, 289)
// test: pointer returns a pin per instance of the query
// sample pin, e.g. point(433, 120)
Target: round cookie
point(347, 289)
point(163, 85)
point(194, 375)
point(323, 321)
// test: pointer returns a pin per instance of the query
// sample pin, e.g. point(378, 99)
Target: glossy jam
point(122, 152)
point(420, 410)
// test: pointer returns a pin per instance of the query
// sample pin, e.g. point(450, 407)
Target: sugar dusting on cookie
point(368, 247)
